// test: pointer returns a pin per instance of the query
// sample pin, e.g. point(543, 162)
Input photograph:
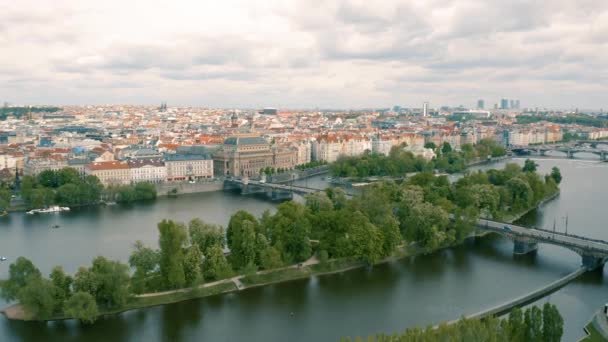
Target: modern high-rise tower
point(480, 104)
point(425, 109)
point(504, 104)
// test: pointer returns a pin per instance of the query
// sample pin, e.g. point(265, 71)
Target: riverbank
point(312, 267)
point(597, 329)
point(515, 217)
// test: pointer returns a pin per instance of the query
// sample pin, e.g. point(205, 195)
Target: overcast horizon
point(305, 54)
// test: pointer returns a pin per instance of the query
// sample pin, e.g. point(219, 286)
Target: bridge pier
point(603, 156)
point(570, 154)
point(524, 247)
point(279, 195)
point(592, 262)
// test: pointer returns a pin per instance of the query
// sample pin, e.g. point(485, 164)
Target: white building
point(182, 167)
point(147, 170)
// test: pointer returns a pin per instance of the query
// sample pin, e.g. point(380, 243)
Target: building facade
point(188, 167)
point(110, 172)
point(245, 156)
point(147, 170)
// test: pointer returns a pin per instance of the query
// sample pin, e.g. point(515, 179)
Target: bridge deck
point(591, 246)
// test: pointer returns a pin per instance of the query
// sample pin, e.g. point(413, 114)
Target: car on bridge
point(507, 228)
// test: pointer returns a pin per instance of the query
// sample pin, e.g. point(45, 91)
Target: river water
point(388, 298)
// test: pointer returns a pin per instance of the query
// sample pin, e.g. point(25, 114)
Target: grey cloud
point(242, 75)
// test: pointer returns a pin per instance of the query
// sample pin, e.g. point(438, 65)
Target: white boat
point(2, 258)
point(53, 209)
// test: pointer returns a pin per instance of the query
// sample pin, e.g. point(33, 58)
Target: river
point(388, 298)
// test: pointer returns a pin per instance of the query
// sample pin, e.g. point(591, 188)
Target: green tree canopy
point(81, 306)
point(106, 280)
point(172, 238)
point(20, 272)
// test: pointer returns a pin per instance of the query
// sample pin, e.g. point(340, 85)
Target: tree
point(337, 197)
point(430, 145)
point(38, 297)
point(125, 194)
point(556, 175)
point(145, 261)
point(486, 198)
point(243, 245)
point(192, 265)
point(289, 230)
point(145, 191)
point(68, 195)
point(362, 239)
point(5, 200)
point(552, 323)
point(20, 273)
point(446, 148)
point(530, 166)
point(206, 235)
point(521, 193)
point(171, 241)
point(516, 325)
point(318, 201)
point(106, 280)
point(62, 283)
point(270, 258)
point(215, 265)
point(236, 222)
point(81, 306)
point(533, 319)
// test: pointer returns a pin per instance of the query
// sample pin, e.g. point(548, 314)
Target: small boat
point(55, 226)
point(2, 258)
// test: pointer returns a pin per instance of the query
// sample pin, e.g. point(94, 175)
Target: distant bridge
point(594, 253)
point(273, 191)
point(569, 149)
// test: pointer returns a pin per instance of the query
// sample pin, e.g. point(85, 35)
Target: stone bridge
point(569, 149)
point(594, 253)
point(272, 190)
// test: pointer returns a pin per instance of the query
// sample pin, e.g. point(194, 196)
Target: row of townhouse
point(535, 136)
point(172, 168)
point(330, 148)
point(595, 134)
point(384, 144)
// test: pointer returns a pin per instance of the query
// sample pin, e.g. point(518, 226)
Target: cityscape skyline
point(347, 54)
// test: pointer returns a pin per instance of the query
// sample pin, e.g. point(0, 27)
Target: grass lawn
point(276, 276)
point(140, 302)
point(594, 335)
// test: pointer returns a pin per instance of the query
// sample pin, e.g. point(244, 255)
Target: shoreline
point(164, 190)
point(234, 284)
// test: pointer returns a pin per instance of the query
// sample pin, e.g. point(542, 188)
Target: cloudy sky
point(305, 53)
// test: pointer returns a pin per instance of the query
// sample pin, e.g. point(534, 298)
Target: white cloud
point(305, 53)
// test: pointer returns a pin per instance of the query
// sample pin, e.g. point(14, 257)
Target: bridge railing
point(551, 231)
point(564, 243)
